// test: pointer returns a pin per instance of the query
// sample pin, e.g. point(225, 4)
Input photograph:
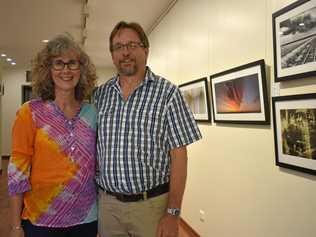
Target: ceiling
point(24, 24)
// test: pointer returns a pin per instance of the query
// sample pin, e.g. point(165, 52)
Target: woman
point(52, 167)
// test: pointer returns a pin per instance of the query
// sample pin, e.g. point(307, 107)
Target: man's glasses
point(129, 46)
point(59, 65)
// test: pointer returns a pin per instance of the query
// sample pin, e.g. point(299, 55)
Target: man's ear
point(146, 52)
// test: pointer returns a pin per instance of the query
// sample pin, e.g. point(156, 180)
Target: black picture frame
point(1, 88)
point(196, 95)
point(28, 76)
point(294, 119)
point(239, 95)
point(26, 93)
point(294, 40)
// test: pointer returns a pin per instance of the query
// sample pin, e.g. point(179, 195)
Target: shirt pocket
point(105, 124)
point(105, 114)
point(145, 123)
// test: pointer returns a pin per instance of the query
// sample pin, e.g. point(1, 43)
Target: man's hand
point(168, 226)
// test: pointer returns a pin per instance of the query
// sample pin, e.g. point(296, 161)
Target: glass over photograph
point(299, 132)
point(298, 39)
point(195, 93)
point(195, 98)
point(240, 95)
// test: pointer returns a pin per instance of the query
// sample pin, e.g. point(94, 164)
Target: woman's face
point(65, 71)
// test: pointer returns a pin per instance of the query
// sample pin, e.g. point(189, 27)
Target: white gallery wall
point(104, 74)
point(13, 80)
point(232, 175)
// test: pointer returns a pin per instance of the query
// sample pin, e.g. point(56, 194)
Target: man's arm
point(168, 225)
point(178, 176)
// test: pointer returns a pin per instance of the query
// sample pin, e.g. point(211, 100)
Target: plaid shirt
point(135, 136)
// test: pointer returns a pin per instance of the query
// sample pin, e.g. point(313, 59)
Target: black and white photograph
point(294, 38)
point(239, 95)
point(196, 96)
point(295, 131)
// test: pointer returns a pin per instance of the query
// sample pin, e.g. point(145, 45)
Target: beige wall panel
point(171, 47)
point(104, 74)
point(301, 86)
point(192, 29)
point(163, 54)
point(237, 32)
point(157, 58)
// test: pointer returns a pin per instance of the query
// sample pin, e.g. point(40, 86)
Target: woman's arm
point(16, 203)
point(19, 166)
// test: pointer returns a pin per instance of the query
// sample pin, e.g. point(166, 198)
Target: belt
point(160, 189)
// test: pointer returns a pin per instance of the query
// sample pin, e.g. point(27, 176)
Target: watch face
point(174, 211)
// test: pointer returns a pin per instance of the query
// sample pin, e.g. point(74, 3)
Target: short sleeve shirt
point(135, 136)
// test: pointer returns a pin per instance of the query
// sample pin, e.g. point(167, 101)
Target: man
point(144, 126)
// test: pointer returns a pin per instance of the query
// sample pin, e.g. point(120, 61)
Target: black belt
point(160, 189)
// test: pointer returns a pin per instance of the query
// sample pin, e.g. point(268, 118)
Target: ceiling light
point(45, 41)
point(3, 55)
point(9, 59)
point(13, 63)
point(302, 24)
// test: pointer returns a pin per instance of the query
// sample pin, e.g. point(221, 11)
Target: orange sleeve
point(23, 134)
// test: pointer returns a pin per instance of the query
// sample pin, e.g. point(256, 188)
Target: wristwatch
point(173, 211)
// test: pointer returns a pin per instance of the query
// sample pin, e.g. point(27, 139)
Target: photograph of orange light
point(239, 95)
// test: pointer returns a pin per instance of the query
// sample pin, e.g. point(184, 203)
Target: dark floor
point(4, 205)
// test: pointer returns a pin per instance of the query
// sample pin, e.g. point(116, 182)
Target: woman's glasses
point(59, 65)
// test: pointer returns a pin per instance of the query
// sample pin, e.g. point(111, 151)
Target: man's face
point(128, 54)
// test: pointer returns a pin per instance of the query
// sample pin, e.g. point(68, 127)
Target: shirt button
point(72, 148)
point(69, 122)
point(71, 134)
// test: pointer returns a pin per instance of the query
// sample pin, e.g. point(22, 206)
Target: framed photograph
point(1, 89)
point(294, 41)
point(239, 95)
point(28, 76)
point(196, 95)
point(294, 119)
point(26, 93)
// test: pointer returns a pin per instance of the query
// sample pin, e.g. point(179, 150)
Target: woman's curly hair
point(42, 83)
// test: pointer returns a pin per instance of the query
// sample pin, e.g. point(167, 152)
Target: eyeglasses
point(59, 65)
point(130, 45)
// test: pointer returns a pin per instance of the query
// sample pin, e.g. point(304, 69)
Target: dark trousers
point(83, 230)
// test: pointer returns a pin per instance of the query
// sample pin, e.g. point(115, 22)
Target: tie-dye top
point(53, 164)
